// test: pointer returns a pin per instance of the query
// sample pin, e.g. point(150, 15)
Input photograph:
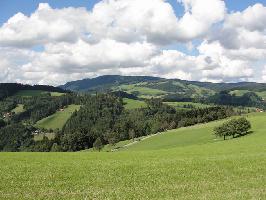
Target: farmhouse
point(259, 110)
point(7, 115)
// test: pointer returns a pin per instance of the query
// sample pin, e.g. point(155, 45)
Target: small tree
point(172, 125)
point(112, 138)
point(98, 145)
point(55, 148)
point(132, 134)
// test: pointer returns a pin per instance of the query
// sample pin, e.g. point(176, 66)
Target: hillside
point(201, 134)
point(9, 89)
point(141, 86)
point(58, 119)
point(208, 169)
point(146, 86)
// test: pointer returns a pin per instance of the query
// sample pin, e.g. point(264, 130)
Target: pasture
point(185, 105)
point(142, 91)
point(18, 109)
point(34, 93)
point(58, 119)
point(187, 163)
point(133, 104)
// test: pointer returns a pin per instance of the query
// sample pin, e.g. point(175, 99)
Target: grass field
point(33, 93)
point(133, 104)
point(57, 120)
point(180, 164)
point(116, 147)
point(142, 90)
point(18, 109)
point(56, 94)
point(40, 136)
point(180, 105)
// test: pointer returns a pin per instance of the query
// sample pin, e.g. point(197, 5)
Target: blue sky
point(10, 7)
point(210, 42)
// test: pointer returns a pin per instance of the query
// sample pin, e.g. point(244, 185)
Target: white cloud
point(199, 18)
point(217, 63)
point(244, 29)
point(128, 36)
point(45, 25)
point(127, 21)
point(252, 18)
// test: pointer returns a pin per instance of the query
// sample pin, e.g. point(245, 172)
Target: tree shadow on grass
point(247, 133)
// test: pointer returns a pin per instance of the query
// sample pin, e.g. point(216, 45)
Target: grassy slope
point(143, 91)
point(33, 93)
point(56, 94)
point(133, 104)
point(18, 109)
point(232, 169)
point(58, 119)
point(196, 135)
point(180, 105)
point(40, 136)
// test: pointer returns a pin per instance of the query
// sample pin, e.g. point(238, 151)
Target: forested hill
point(9, 89)
point(147, 86)
point(105, 82)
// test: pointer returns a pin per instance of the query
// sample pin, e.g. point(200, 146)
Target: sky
point(53, 42)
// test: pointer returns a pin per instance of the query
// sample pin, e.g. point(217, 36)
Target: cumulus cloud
point(44, 26)
point(128, 37)
point(198, 17)
point(121, 20)
point(244, 29)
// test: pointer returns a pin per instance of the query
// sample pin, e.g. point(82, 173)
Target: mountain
point(148, 86)
point(102, 83)
point(141, 86)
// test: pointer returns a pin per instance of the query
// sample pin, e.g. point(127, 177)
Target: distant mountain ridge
point(102, 82)
point(148, 86)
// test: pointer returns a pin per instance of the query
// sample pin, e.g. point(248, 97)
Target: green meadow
point(18, 109)
point(133, 104)
point(36, 93)
point(142, 91)
point(187, 163)
point(57, 120)
point(180, 105)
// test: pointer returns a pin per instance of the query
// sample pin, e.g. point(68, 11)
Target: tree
point(112, 138)
point(244, 125)
point(98, 144)
point(131, 134)
point(234, 127)
point(2, 123)
point(55, 148)
point(221, 131)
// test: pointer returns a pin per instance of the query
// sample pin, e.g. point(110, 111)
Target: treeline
point(249, 99)
point(37, 108)
point(103, 118)
point(16, 137)
point(7, 105)
point(19, 137)
point(9, 89)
